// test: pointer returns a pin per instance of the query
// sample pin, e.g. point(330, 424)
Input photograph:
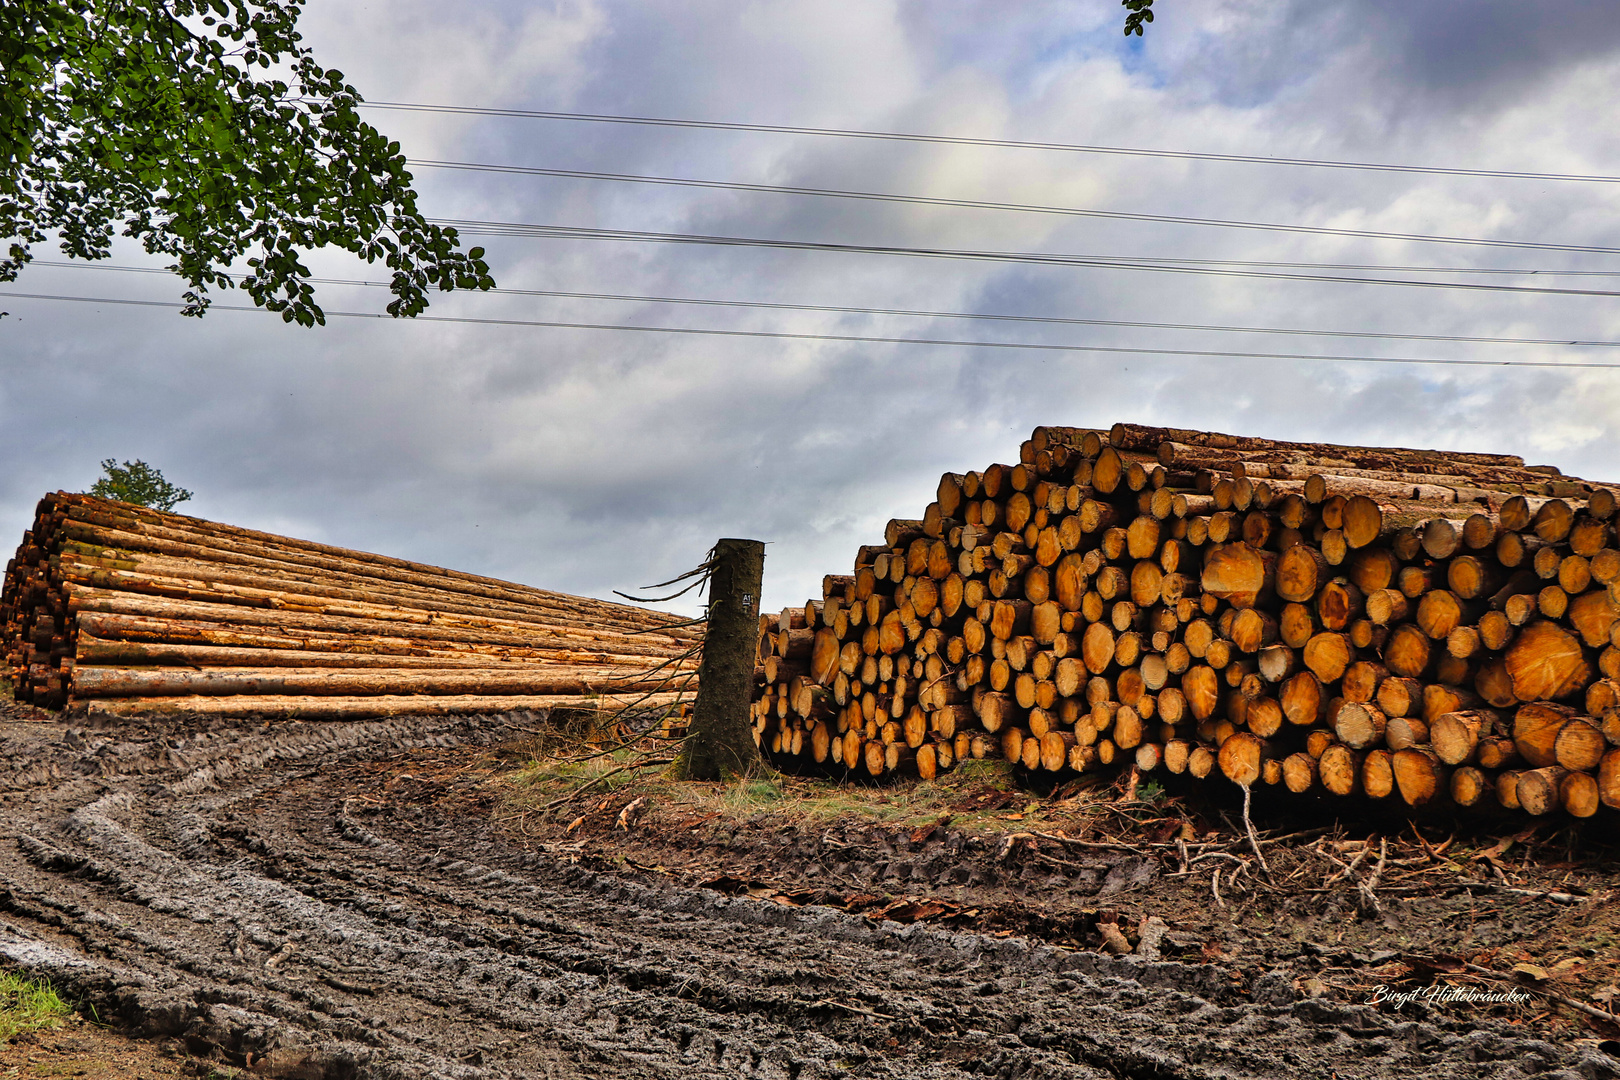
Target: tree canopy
point(138, 483)
point(209, 133)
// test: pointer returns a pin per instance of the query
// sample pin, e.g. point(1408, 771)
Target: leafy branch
point(1141, 11)
point(208, 132)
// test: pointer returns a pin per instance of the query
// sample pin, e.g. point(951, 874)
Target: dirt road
point(228, 887)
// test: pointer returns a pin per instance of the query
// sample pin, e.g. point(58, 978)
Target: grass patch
point(583, 765)
point(978, 794)
point(27, 1006)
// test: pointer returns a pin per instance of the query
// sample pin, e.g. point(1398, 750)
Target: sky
point(590, 460)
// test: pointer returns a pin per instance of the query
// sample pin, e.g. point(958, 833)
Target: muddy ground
point(373, 900)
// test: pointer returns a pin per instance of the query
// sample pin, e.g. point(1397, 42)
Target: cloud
point(592, 460)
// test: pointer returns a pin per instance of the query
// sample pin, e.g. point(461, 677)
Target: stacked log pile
point(1404, 624)
point(137, 611)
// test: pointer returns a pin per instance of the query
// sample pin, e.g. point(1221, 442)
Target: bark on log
point(720, 745)
point(1539, 791)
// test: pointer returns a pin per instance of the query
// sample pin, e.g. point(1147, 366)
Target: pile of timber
point(135, 611)
point(1405, 624)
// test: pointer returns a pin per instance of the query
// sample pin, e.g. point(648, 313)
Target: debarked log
point(335, 708)
point(98, 682)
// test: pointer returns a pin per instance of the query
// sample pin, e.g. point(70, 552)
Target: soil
point(374, 900)
point(80, 1048)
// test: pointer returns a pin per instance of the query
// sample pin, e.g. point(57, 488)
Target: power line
point(1023, 208)
point(1173, 260)
point(572, 232)
point(1012, 144)
point(862, 338)
point(837, 309)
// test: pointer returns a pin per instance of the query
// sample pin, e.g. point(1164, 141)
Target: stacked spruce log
point(136, 611)
point(1406, 624)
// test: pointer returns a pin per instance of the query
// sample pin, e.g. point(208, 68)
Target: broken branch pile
point(139, 611)
point(1413, 624)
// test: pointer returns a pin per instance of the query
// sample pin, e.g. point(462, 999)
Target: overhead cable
point(573, 232)
point(1023, 208)
point(1012, 144)
point(837, 309)
point(1118, 350)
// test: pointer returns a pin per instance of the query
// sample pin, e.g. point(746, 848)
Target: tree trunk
point(721, 745)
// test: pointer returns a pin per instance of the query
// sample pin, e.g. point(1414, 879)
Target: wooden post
point(721, 744)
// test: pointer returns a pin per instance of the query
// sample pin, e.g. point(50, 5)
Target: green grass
point(27, 1006)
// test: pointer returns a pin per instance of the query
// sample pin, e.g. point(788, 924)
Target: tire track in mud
point(214, 886)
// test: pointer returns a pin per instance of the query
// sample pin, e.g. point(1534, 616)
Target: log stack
point(1413, 625)
point(136, 611)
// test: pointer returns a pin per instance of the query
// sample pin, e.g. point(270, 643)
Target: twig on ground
point(554, 803)
point(853, 1009)
point(1196, 859)
point(1254, 841)
point(669, 743)
point(1302, 835)
point(1298, 870)
point(1369, 899)
point(1367, 887)
point(1071, 842)
point(1345, 871)
point(1133, 776)
point(525, 730)
point(582, 759)
point(1554, 897)
point(1427, 847)
point(1579, 1006)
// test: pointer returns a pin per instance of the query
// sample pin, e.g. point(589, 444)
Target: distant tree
point(138, 483)
point(210, 133)
point(1141, 12)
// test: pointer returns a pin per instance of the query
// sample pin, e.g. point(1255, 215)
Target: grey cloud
point(590, 461)
point(1472, 54)
point(1403, 61)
